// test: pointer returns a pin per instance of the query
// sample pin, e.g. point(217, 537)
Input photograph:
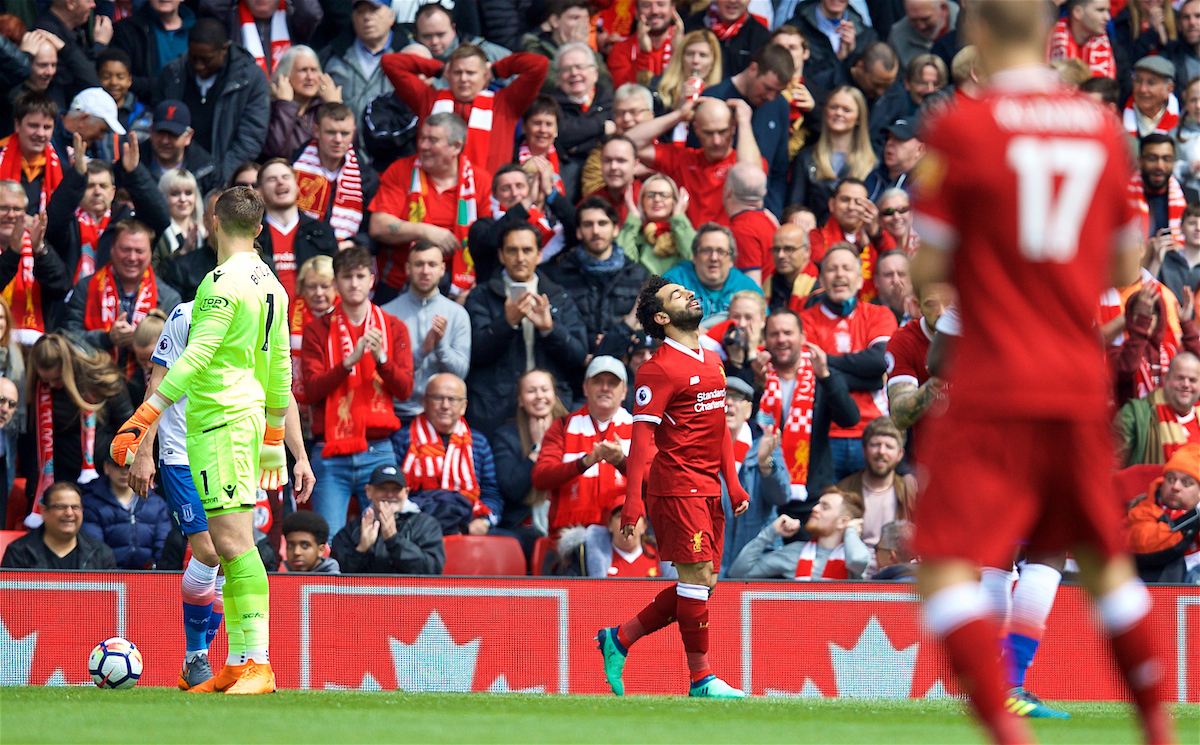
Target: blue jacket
point(713, 301)
point(766, 493)
point(485, 468)
point(136, 538)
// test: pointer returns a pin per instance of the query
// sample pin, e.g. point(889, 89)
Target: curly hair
point(649, 304)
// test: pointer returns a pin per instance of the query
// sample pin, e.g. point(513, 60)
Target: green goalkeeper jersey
point(238, 358)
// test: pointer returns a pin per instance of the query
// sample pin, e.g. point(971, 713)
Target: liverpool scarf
point(280, 39)
point(431, 465)
point(314, 190)
point(797, 430)
point(359, 403)
point(835, 565)
point(12, 167)
point(44, 413)
point(478, 118)
point(586, 500)
point(24, 296)
point(1167, 434)
point(463, 268)
point(742, 444)
point(724, 31)
point(1166, 125)
point(89, 238)
point(1096, 52)
point(1176, 204)
point(524, 154)
point(103, 303)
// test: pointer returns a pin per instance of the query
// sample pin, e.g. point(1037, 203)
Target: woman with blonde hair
point(298, 87)
point(699, 56)
point(657, 232)
point(842, 151)
point(516, 445)
point(83, 395)
point(186, 231)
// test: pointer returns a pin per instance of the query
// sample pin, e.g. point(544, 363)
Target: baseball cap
point(172, 115)
point(97, 102)
point(902, 129)
point(607, 364)
point(736, 385)
point(388, 473)
point(1157, 65)
point(646, 341)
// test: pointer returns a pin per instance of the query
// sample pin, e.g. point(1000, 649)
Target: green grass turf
point(161, 715)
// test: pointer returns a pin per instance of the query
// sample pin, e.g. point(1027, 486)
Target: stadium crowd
point(463, 202)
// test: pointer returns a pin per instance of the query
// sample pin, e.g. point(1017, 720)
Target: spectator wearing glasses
point(633, 104)
point(896, 219)
point(711, 273)
point(900, 155)
point(58, 543)
point(795, 276)
point(658, 234)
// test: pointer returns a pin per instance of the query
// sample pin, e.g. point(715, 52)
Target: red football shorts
point(688, 529)
point(994, 484)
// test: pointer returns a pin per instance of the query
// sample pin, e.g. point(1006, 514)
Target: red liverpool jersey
point(682, 391)
point(906, 354)
point(1028, 186)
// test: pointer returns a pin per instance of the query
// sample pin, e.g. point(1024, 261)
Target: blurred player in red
point(678, 419)
point(1021, 205)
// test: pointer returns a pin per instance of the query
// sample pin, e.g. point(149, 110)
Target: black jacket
point(415, 549)
point(484, 237)
point(603, 300)
point(62, 229)
point(14, 69)
point(821, 54)
point(807, 189)
point(185, 273)
point(76, 60)
point(51, 274)
point(498, 352)
point(198, 162)
point(506, 21)
point(1174, 273)
point(579, 132)
point(832, 404)
point(313, 238)
point(68, 446)
point(514, 474)
point(892, 105)
point(737, 52)
point(30, 552)
point(135, 36)
point(243, 109)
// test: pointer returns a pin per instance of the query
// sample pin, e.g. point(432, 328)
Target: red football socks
point(973, 654)
point(693, 628)
point(658, 614)
point(1125, 612)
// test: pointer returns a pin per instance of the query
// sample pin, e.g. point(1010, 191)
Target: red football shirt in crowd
point(283, 241)
point(682, 392)
point(754, 231)
point(704, 181)
point(906, 353)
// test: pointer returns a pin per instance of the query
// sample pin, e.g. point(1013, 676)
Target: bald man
point(745, 190)
point(719, 125)
point(795, 275)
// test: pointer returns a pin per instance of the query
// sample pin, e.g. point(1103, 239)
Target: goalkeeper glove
point(129, 437)
point(272, 458)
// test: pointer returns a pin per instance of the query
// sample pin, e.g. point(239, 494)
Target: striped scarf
point(359, 403)
point(431, 465)
point(478, 146)
point(89, 239)
point(1096, 52)
point(1176, 204)
point(1168, 435)
point(524, 154)
point(103, 304)
point(12, 167)
point(724, 31)
point(44, 413)
point(463, 277)
point(835, 565)
point(1166, 125)
point(797, 431)
point(587, 499)
point(281, 40)
point(314, 190)
point(24, 296)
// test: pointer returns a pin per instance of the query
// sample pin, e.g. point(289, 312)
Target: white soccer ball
point(115, 663)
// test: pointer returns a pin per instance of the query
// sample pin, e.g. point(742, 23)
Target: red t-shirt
point(626, 60)
point(704, 181)
point(906, 353)
point(683, 392)
point(754, 231)
point(641, 566)
point(1028, 186)
point(441, 209)
point(283, 254)
point(866, 325)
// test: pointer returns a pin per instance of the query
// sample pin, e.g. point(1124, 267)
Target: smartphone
point(517, 290)
point(764, 420)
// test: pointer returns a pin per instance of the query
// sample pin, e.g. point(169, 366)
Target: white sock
point(235, 659)
point(198, 581)
point(258, 655)
point(1125, 606)
point(954, 606)
point(1033, 597)
point(997, 591)
point(695, 592)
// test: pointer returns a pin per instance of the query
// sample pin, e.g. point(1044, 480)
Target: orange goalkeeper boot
point(257, 677)
point(229, 675)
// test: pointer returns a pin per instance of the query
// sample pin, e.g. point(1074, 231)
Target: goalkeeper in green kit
point(236, 367)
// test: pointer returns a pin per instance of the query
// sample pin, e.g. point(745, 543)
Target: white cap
point(606, 364)
point(97, 102)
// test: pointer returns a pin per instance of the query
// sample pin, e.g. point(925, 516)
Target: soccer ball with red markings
point(115, 663)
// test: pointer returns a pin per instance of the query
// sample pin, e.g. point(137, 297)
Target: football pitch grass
point(162, 715)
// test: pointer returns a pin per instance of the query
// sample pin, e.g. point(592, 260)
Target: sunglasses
point(890, 211)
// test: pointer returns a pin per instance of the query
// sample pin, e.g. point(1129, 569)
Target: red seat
point(490, 555)
point(7, 537)
point(18, 505)
point(1133, 481)
point(541, 547)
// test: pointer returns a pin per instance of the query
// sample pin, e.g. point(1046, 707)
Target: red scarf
point(1096, 52)
point(1166, 125)
point(835, 565)
point(724, 31)
point(742, 444)
point(832, 233)
point(797, 430)
point(11, 169)
point(1149, 375)
point(44, 413)
point(463, 266)
point(359, 403)
point(537, 219)
point(24, 296)
point(313, 192)
point(587, 499)
point(280, 39)
point(477, 148)
point(431, 465)
point(103, 303)
point(89, 239)
point(1176, 204)
point(524, 154)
